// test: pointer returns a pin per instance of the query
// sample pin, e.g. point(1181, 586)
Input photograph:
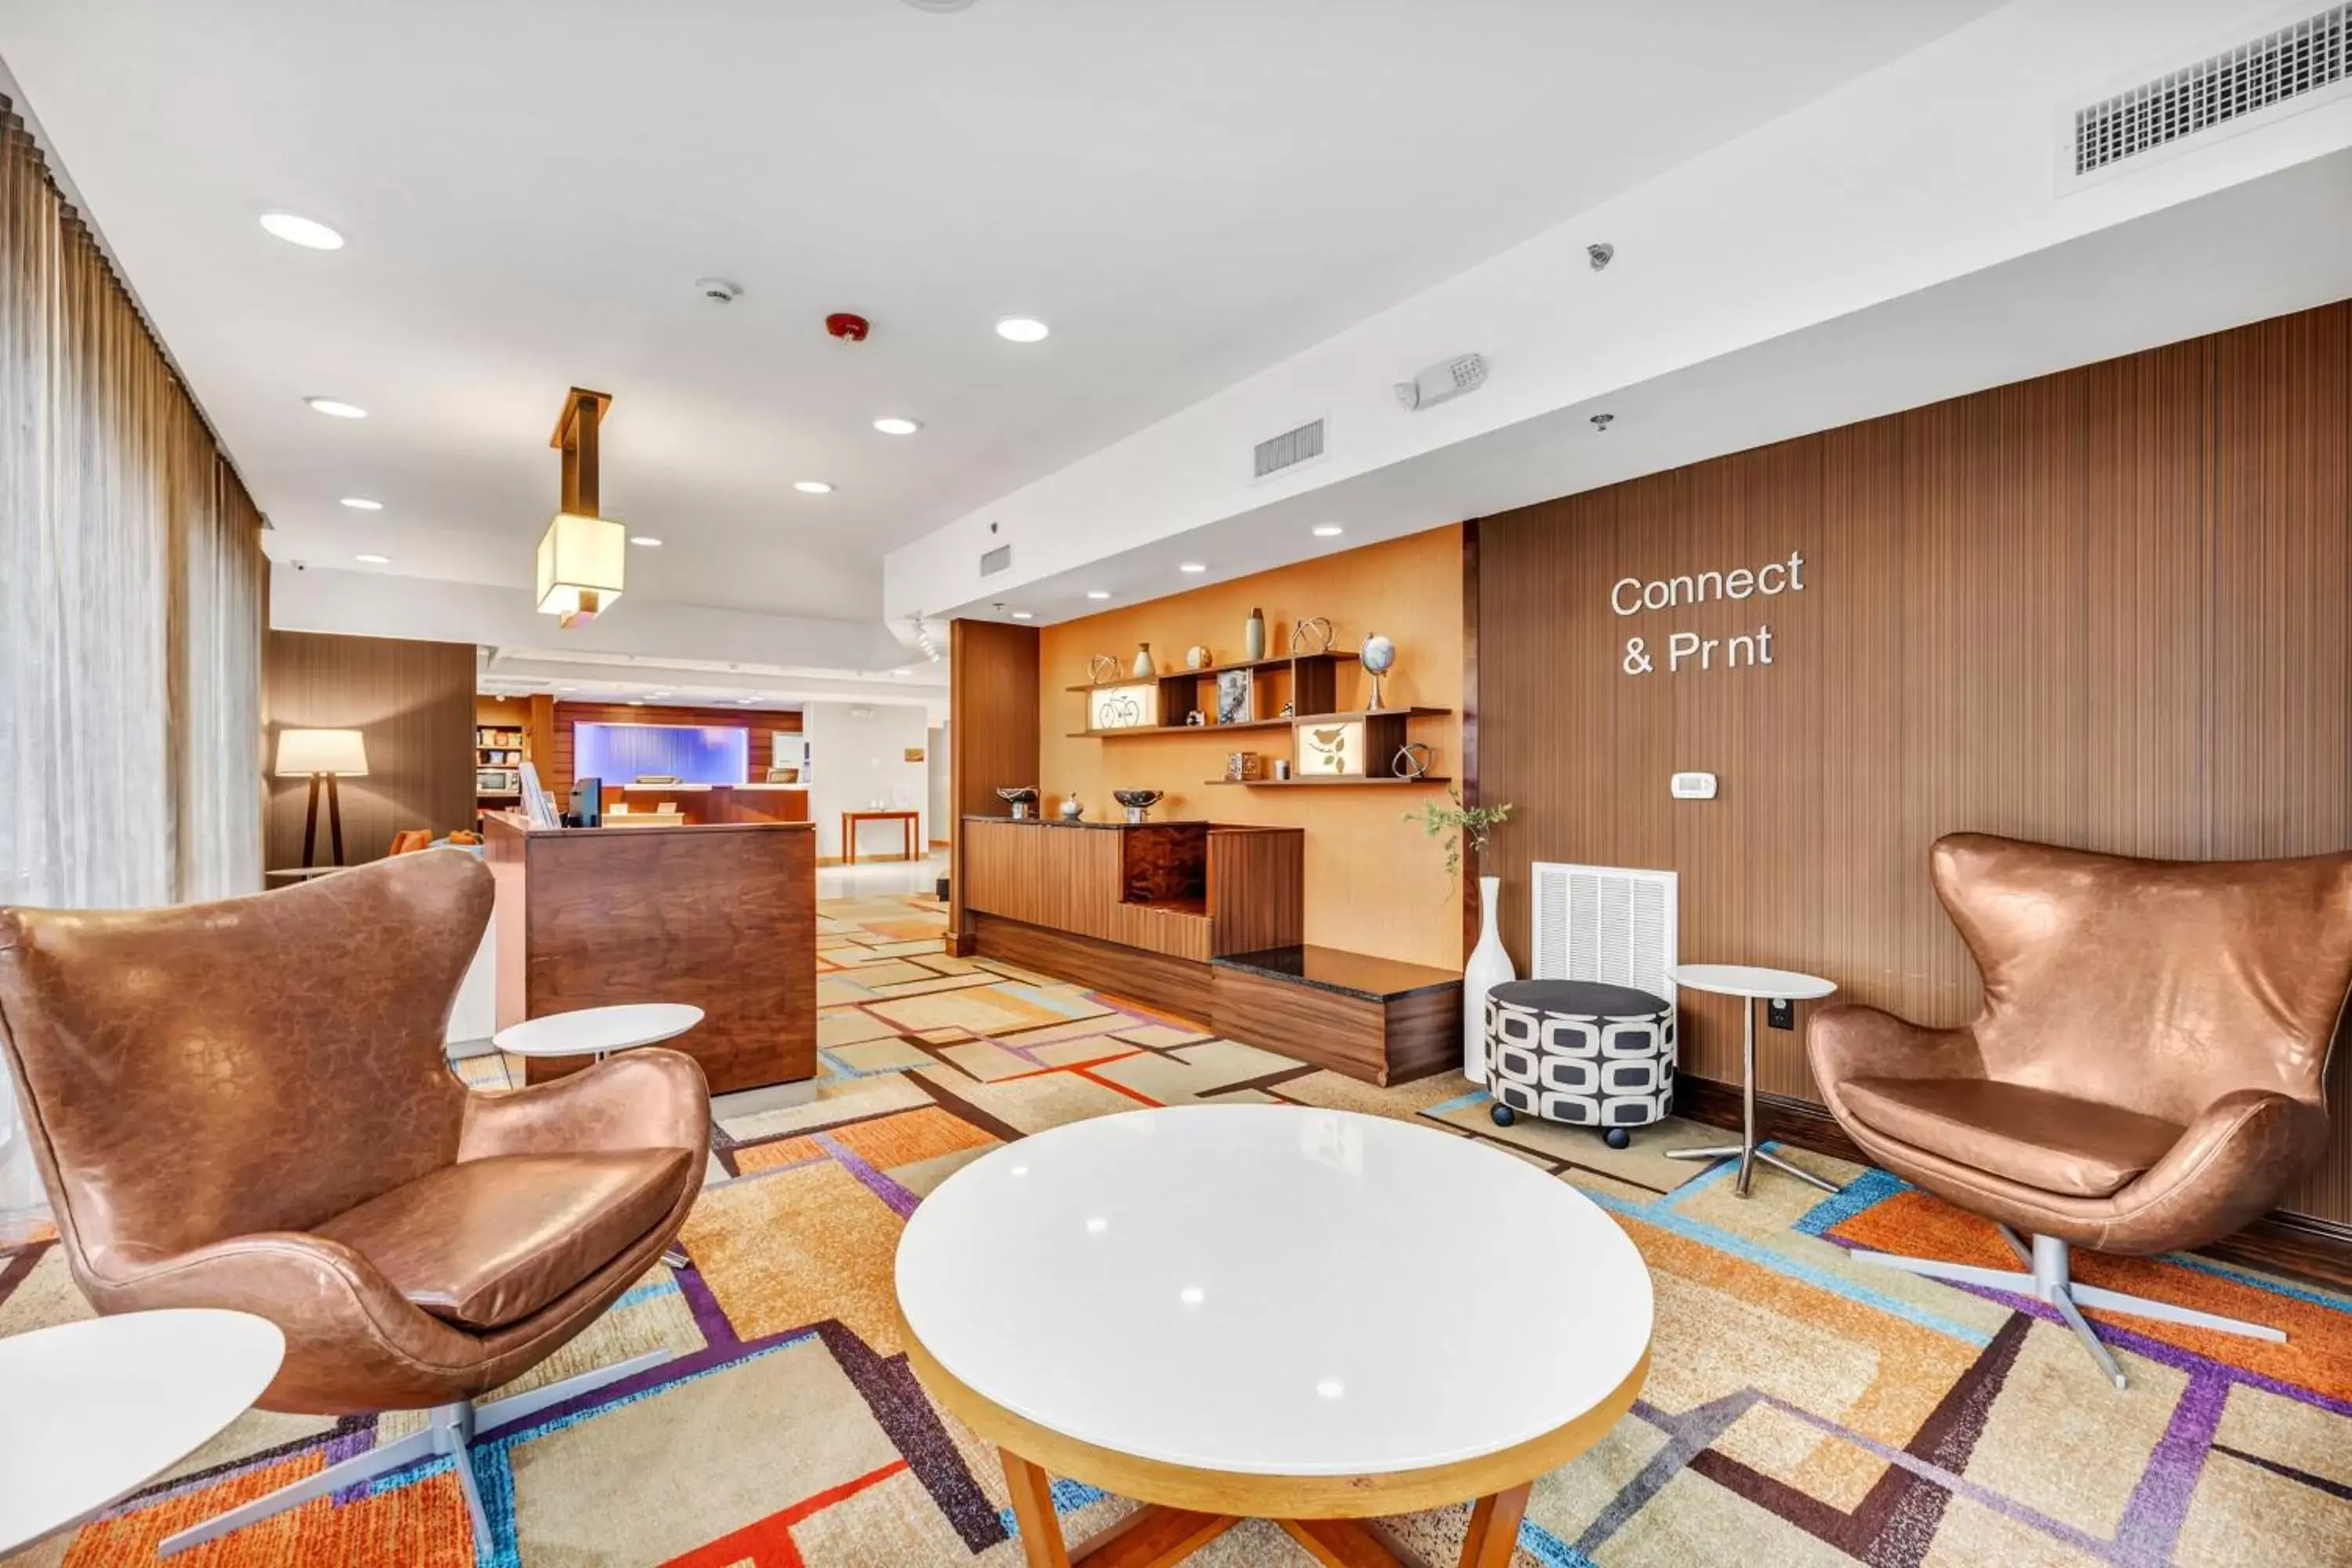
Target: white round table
point(90, 1410)
point(1754, 985)
point(1310, 1316)
point(595, 1031)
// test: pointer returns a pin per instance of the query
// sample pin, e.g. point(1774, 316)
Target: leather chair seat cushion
point(2034, 1137)
point(485, 1243)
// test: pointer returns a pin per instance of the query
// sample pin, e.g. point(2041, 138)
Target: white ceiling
point(1187, 190)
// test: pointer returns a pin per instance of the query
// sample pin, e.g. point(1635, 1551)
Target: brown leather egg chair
point(2145, 1076)
point(246, 1104)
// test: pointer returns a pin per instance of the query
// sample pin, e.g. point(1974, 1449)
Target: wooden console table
point(908, 821)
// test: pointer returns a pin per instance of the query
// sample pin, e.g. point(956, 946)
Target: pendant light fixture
point(580, 555)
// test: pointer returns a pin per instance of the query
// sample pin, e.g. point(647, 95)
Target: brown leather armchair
point(2146, 1074)
point(246, 1104)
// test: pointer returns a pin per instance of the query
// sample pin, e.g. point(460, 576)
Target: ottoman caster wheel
point(1617, 1138)
point(1503, 1114)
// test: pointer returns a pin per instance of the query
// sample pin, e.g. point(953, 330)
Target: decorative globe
point(1379, 654)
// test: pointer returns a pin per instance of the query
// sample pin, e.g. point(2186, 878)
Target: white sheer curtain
point(132, 605)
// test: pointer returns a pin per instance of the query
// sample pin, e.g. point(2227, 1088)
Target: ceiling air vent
point(2277, 68)
point(997, 560)
point(1288, 450)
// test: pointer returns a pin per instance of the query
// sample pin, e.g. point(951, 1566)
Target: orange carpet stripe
point(768, 1543)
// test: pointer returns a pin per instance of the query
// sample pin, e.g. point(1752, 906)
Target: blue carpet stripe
point(1548, 1548)
point(1069, 1497)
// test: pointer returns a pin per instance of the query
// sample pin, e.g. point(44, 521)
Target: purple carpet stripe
point(2159, 1504)
point(1960, 1486)
point(905, 1415)
point(352, 1435)
point(903, 1203)
point(677, 1369)
point(708, 1316)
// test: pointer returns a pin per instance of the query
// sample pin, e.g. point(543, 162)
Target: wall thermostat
point(1692, 786)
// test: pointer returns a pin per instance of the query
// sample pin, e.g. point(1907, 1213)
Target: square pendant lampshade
point(579, 561)
point(301, 752)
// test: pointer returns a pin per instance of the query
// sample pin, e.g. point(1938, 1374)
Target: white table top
point(93, 1408)
point(1273, 1291)
point(589, 1030)
point(1746, 980)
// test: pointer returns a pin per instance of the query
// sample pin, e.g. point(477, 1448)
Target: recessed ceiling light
point(374, 560)
point(308, 233)
point(745, 702)
point(1193, 566)
point(813, 487)
point(648, 540)
point(335, 409)
point(567, 688)
point(897, 425)
point(1098, 593)
point(1024, 615)
point(637, 701)
point(361, 503)
point(1328, 531)
point(658, 694)
point(1023, 330)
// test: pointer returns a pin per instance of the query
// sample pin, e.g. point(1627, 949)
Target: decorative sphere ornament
point(1380, 656)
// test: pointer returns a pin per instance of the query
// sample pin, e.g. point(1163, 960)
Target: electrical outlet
point(1780, 1013)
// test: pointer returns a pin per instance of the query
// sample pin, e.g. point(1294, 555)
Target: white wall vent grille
point(1288, 450)
point(997, 560)
point(2286, 64)
point(1606, 922)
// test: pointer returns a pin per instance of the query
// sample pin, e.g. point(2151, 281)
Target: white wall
point(936, 823)
point(859, 761)
point(1931, 169)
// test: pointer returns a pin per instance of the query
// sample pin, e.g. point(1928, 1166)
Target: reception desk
point(722, 915)
point(714, 806)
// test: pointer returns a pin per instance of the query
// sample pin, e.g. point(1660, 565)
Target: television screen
point(620, 752)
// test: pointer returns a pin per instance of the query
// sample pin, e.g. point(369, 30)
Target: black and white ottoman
point(1581, 1053)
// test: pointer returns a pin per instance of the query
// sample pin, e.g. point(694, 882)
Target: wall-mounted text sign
point(1687, 650)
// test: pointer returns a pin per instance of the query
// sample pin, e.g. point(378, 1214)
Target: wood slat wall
point(764, 726)
point(2110, 607)
point(992, 714)
point(413, 703)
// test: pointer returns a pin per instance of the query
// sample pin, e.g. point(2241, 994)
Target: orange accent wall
point(1374, 883)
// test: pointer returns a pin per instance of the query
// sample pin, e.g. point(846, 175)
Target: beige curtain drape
point(132, 598)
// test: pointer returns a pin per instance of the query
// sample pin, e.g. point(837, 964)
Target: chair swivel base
point(449, 1433)
point(2052, 1281)
point(1750, 1156)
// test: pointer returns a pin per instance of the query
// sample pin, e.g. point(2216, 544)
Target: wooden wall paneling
point(413, 703)
point(1171, 984)
point(993, 712)
point(557, 773)
point(1473, 913)
point(2106, 607)
point(1258, 888)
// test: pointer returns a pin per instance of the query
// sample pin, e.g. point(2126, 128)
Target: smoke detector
point(722, 290)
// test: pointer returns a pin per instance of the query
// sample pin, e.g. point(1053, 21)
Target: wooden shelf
point(1259, 723)
point(1276, 661)
point(1326, 781)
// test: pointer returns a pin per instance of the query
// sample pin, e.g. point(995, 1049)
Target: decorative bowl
point(1022, 798)
point(1138, 800)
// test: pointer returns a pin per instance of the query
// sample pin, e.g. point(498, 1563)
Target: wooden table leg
point(1033, 1506)
point(1494, 1535)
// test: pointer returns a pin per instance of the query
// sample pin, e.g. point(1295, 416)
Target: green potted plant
point(1457, 822)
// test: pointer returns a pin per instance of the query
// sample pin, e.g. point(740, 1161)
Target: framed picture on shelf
point(1236, 702)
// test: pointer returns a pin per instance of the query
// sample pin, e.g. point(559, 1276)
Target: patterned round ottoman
point(1582, 1053)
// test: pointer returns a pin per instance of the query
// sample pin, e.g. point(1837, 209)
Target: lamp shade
point(579, 561)
point(304, 752)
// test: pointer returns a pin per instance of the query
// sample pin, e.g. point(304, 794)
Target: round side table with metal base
point(1754, 985)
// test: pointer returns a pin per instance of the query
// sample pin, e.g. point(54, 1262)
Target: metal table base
point(1744, 1151)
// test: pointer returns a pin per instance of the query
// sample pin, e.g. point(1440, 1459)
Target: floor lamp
point(327, 754)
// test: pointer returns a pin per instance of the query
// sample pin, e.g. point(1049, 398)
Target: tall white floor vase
point(1489, 966)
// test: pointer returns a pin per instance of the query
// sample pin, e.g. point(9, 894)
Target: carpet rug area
point(1800, 1408)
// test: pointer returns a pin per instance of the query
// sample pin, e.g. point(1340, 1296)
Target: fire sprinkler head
point(848, 327)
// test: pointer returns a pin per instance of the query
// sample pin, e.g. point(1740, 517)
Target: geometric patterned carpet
point(1799, 1409)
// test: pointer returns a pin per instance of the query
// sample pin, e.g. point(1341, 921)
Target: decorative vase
point(1489, 966)
point(1253, 636)
point(1142, 668)
point(1196, 658)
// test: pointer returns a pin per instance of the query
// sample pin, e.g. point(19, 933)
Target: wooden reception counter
point(721, 916)
point(704, 805)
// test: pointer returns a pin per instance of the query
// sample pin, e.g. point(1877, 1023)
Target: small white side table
point(597, 1031)
point(93, 1408)
point(1754, 985)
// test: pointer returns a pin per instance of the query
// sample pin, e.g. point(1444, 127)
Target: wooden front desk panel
point(723, 917)
point(714, 804)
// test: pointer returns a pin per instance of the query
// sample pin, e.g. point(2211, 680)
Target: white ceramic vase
point(1489, 966)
